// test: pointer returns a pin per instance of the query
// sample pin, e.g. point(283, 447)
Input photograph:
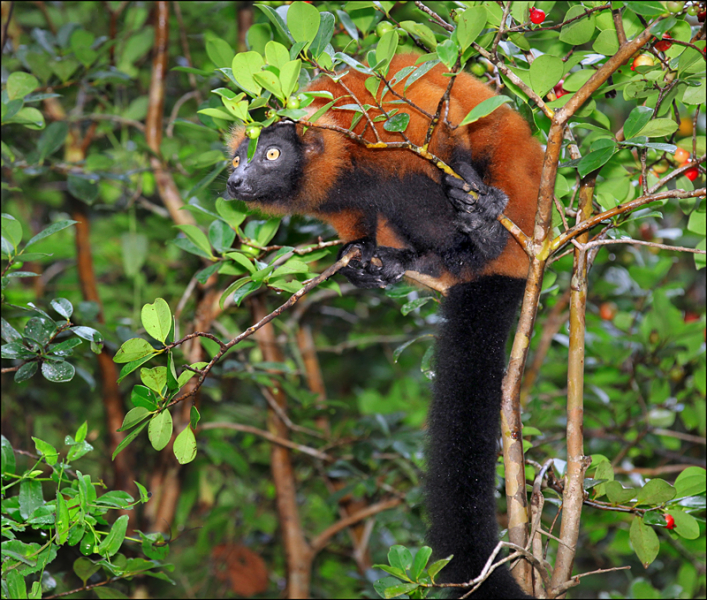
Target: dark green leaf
point(644, 541)
point(58, 226)
point(83, 186)
point(58, 372)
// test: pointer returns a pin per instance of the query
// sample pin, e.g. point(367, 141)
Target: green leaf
point(685, 524)
point(267, 231)
point(658, 128)
point(606, 43)
point(577, 79)
point(52, 229)
point(276, 55)
point(243, 67)
point(144, 397)
point(691, 482)
point(270, 82)
point(30, 498)
point(20, 84)
point(134, 416)
point(112, 542)
point(157, 318)
point(197, 237)
point(185, 446)
point(289, 76)
point(656, 491)
point(194, 417)
point(420, 562)
point(386, 49)
point(647, 8)
point(234, 212)
point(471, 23)
point(47, 450)
point(545, 72)
point(221, 236)
point(408, 307)
point(644, 541)
point(129, 438)
point(26, 371)
point(58, 372)
point(63, 307)
point(11, 230)
point(81, 42)
point(276, 20)
point(155, 379)
point(484, 109)
point(596, 158)
point(399, 590)
point(400, 557)
point(617, 494)
point(324, 33)
point(303, 20)
point(438, 565)
point(257, 36)
point(8, 456)
point(160, 430)
point(83, 186)
point(244, 290)
point(133, 349)
point(52, 139)
point(62, 519)
point(84, 568)
point(636, 120)
point(448, 53)
point(427, 37)
point(397, 123)
point(580, 31)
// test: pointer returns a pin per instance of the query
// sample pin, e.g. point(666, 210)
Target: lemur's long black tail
point(464, 429)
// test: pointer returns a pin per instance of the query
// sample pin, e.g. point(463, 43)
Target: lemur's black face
point(274, 172)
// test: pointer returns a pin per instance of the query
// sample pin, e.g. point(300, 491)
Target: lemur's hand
point(477, 217)
point(378, 266)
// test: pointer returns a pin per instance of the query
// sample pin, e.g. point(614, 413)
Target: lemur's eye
point(273, 154)
point(236, 162)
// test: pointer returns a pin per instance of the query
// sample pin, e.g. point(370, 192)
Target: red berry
point(664, 44)
point(607, 311)
point(691, 317)
point(701, 16)
point(692, 173)
point(537, 16)
point(669, 522)
point(559, 90)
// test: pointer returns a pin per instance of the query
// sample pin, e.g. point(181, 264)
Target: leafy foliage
point(75, 149)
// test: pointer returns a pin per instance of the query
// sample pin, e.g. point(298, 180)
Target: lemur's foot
point(378, 266)
point(478, 217)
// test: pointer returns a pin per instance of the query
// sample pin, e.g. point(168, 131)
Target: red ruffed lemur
point(405, 214)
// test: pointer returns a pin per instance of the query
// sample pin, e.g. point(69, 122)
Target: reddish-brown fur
point(502, 140)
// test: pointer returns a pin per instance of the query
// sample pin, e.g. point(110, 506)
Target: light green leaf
point(160, 430)
point(545, 72)
point(276, 54)
point(20, 84)
point(243, 67)
point(644, 541)
point(157, 318)
point(289, 75)
point(484, 109)
point(133, 349)
point(185, 446)
point(303, 20)
point(658, 128)
point(580, 31)
point(197, 237)
point(471, 22)
point(219, 51)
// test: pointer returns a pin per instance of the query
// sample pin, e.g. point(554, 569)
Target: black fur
point(440, 231)
point(463, 429)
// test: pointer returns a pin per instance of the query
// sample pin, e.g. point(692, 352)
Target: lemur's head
point(273, 174)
